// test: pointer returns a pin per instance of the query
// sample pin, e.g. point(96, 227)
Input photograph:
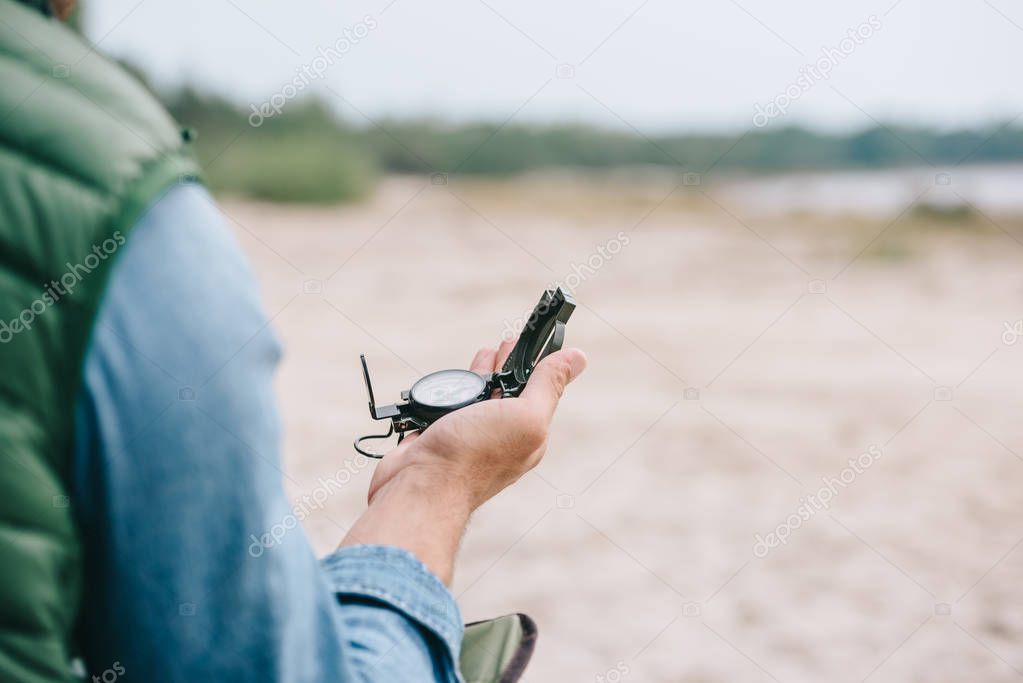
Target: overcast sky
point(656, 65)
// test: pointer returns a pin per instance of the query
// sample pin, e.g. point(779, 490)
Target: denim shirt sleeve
point(367, 576)
point(177, 469)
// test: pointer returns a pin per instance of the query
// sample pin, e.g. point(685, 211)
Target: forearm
point(421, 511)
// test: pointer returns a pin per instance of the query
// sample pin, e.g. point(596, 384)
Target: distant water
point(994, 189)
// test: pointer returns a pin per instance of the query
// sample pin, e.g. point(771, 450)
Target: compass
point(447, 389)
point(435, 395)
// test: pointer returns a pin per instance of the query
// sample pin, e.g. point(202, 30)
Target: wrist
point(424, 509)
point(420, 468)
point(434, 485)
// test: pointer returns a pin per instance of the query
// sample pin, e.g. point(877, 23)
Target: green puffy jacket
point(83, 150)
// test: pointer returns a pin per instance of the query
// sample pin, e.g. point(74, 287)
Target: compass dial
point(447, 388)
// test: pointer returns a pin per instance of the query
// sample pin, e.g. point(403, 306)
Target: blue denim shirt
point(177, 476)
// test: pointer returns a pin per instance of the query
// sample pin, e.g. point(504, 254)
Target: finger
point(483, 361)
point(503, 351)
point(551, 376)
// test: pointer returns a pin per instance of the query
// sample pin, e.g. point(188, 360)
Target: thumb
point(548, 381)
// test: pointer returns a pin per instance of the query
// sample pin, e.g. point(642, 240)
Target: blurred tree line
point(308, 153)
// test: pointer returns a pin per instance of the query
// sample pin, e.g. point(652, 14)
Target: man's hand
point(423, 492)
point(487, 446)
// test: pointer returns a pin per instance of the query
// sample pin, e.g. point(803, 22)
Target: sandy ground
point(737, 361)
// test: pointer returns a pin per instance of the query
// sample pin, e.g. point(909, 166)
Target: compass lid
point(543, 334)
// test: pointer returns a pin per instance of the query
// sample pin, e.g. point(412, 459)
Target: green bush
point(317, 167)
point(302, 155)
